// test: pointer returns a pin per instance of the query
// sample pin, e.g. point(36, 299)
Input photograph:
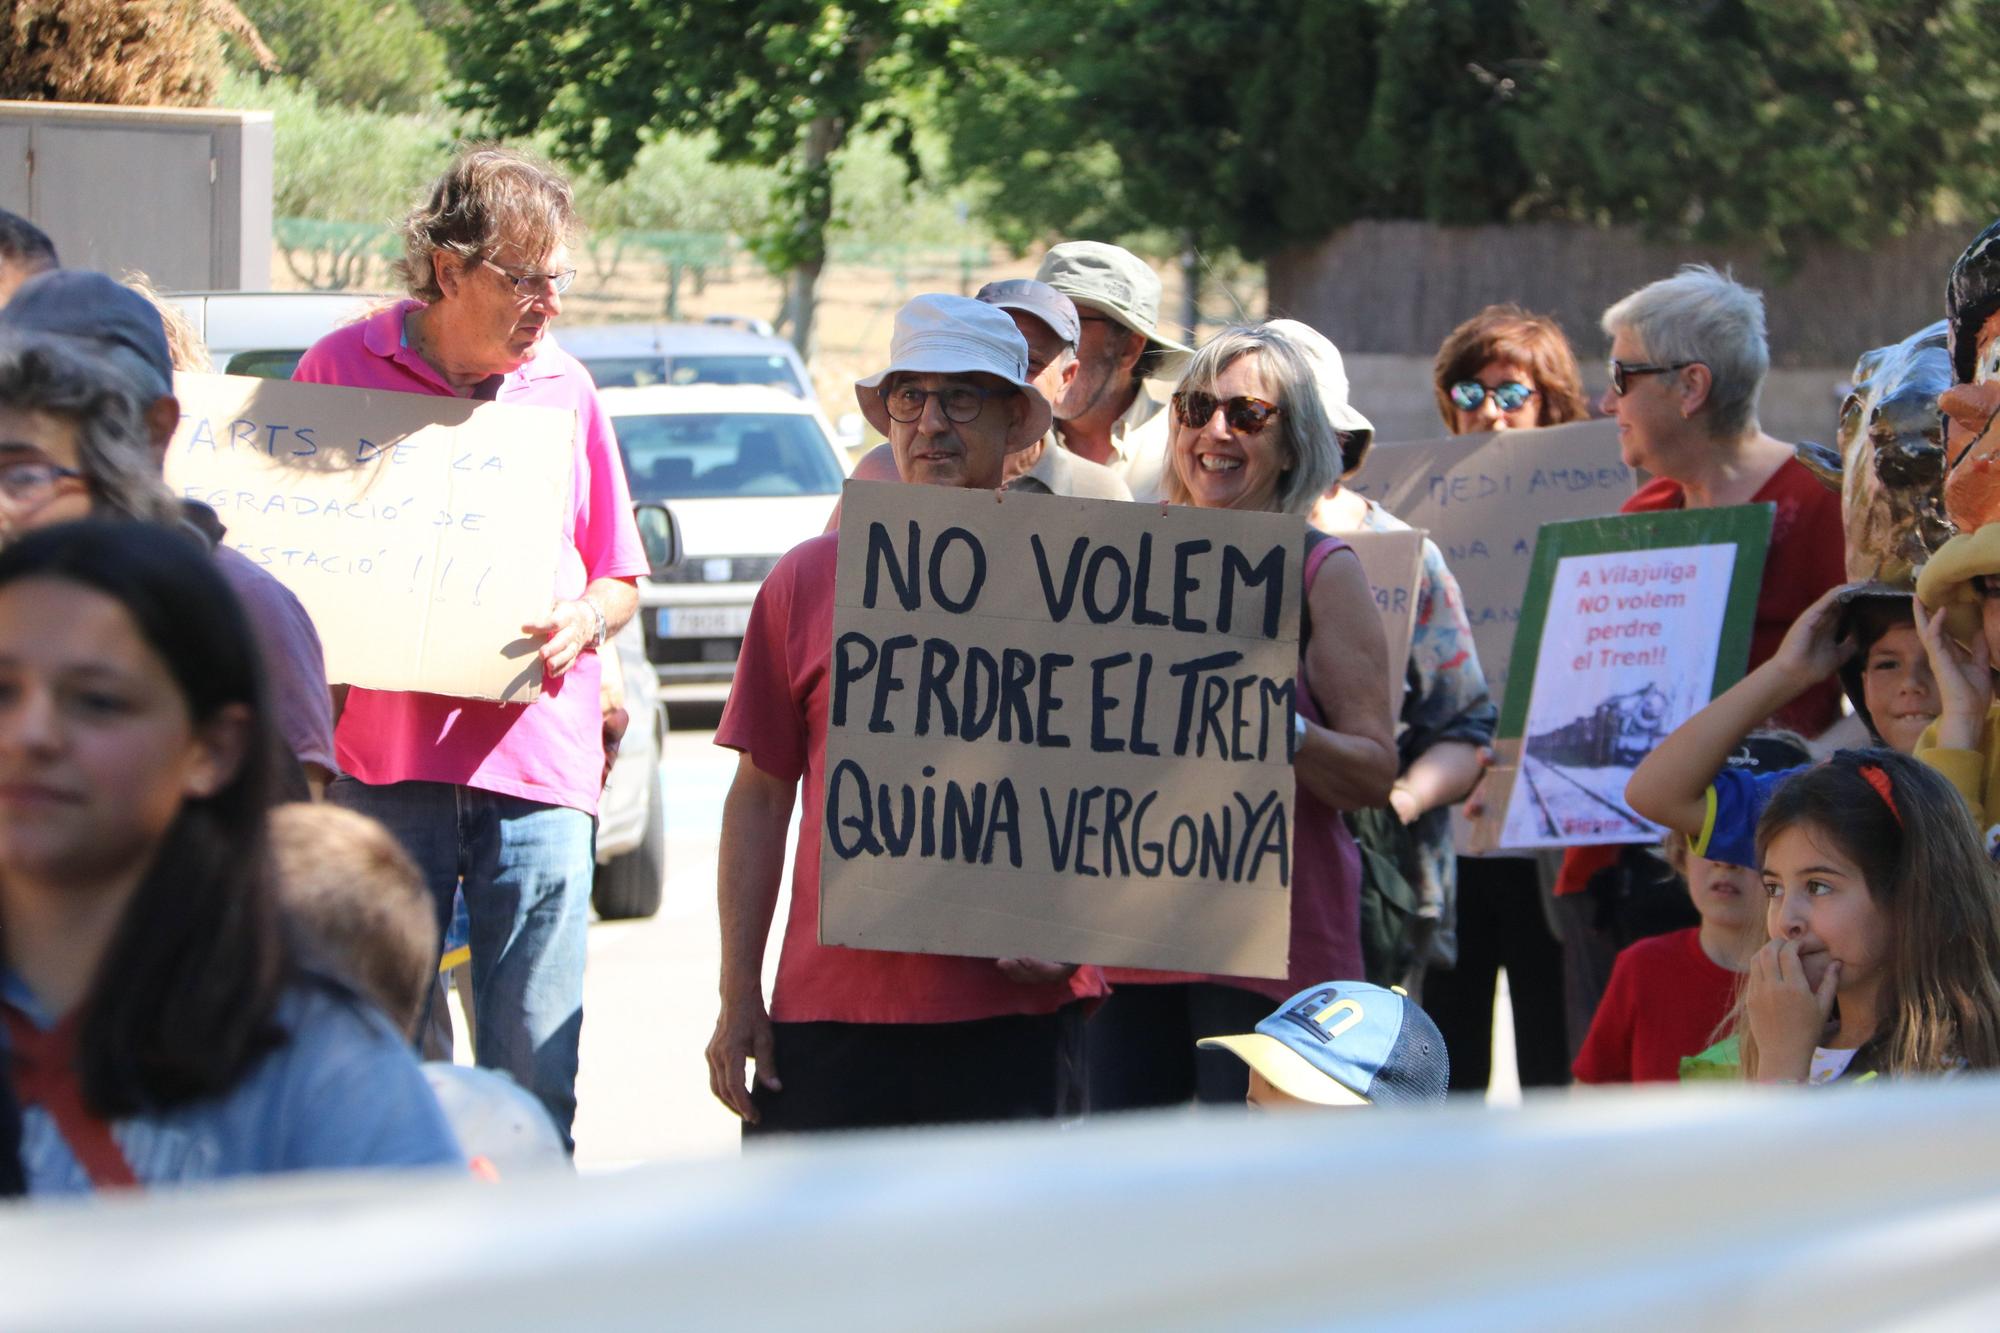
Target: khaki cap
point(1120, 284)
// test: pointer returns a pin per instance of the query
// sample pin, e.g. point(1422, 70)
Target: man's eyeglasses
point(961, 402)
point(1508, 396)
point(27, 481)
point(535, 284)
point(1244, 415)
point(1623, 371)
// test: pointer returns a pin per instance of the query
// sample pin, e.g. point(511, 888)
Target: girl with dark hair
point(157, 1028)
point(1884, 919)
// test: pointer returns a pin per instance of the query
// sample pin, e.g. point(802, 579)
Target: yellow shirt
point(1976, 773)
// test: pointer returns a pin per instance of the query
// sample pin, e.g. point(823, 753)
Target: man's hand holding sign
point(1032, 695)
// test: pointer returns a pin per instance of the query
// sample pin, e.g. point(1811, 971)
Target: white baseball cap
point(938, 334)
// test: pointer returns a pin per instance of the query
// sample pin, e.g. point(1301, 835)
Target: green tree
point(1440, 139)
point(776, 83)
point(1769, 120)
point(380, 55)
point(1230, 124)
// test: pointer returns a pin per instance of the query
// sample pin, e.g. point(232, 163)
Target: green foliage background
point(1243, 125)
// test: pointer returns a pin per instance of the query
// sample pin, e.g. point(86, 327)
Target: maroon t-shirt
point(777, 716)
point(1664, 1003)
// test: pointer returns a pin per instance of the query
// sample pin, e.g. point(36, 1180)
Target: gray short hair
point(40, 373)
point(487, 198)
point(1703, 315)
point(1302, 422)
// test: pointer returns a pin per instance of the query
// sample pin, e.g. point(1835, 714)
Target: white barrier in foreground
point(1823, 1210)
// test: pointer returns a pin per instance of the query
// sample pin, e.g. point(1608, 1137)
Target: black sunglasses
point(1622, 371)
point(1245, 415)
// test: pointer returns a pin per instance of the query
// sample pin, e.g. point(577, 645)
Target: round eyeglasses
point(961, 402)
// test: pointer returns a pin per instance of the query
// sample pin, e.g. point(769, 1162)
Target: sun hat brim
point(943, 352)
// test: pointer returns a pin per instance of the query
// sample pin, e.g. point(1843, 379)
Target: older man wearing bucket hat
point(1047, 320)
point(858, 1038)
point(1106, 415)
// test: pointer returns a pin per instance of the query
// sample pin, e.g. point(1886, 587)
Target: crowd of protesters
point(223, 883)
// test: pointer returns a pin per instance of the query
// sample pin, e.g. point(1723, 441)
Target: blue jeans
point(527, 872)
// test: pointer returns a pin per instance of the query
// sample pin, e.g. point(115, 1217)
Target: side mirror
point(661, 537)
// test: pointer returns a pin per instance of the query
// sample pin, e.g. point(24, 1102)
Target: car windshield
point(706, 455)
point(273, 365)
point(643, 372)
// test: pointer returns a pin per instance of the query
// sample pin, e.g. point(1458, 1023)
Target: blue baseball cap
point(102, 314)
point(1347, 1043)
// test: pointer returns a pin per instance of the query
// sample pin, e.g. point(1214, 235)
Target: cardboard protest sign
point(1482, 498)
point(1393, 562)
point(421, 533)
point(1062, 729)
point(1630, 625)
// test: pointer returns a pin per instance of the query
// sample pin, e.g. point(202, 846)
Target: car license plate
point(704, 622)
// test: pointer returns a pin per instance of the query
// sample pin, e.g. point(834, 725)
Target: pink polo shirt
point(551, 750)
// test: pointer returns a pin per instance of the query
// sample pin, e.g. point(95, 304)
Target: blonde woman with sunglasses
point(1251, 429)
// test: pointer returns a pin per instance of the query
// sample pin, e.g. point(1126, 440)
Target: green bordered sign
point(1629, 626)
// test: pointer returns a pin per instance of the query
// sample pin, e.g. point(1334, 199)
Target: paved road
point(649, 992)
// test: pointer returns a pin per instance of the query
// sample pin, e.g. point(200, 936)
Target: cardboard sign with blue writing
point(1482, 498)
point(1061, 729)
point(420, 532)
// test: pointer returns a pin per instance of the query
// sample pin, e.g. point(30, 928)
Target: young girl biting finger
point(1884, 923)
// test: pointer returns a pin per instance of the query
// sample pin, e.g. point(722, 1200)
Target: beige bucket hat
point(1120, 284)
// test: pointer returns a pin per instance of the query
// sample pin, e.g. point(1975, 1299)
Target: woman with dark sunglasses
point(1503, 369)
point(1250, 429)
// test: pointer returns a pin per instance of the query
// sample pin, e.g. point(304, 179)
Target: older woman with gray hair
point(1688, 360)
point(1252, 430)
point(501, 794)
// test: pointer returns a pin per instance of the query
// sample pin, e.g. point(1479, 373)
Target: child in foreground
point(1669, 993)
point(1884, 922)
point(1345, 1043)
point(159, 1028)
point(356, 896)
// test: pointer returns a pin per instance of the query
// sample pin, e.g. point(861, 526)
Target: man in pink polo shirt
point(504, 796)
point(858, 1038)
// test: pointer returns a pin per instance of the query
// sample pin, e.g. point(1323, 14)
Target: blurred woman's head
point(1507, 369)
point(73, 439)
point(134, 771)
point(1688, 360)
point(1250, 427)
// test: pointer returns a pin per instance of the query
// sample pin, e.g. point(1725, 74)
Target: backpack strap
point(43, 1065)
point(1319, 546)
